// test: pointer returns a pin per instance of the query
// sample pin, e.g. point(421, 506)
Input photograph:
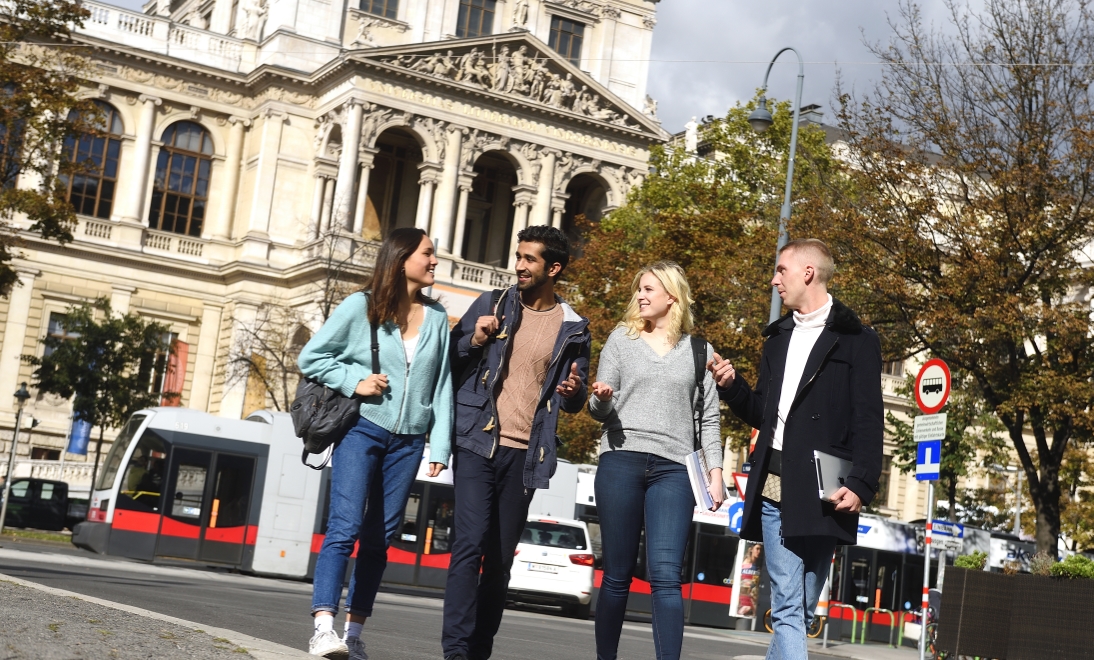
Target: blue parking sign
point(736, 516)
point(928, 459)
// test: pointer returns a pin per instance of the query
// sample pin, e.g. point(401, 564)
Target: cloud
point(709, 54)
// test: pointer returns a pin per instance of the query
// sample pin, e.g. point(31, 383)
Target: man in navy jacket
point(515, 367)
point(819, 390)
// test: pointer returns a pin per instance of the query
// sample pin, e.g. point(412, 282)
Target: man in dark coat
point(819, 389)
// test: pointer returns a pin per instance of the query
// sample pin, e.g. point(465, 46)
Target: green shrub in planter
point(974, 562)
point(1075, 566)
point(1042, 563)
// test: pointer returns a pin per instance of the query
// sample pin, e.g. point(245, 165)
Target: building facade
point(254, 143)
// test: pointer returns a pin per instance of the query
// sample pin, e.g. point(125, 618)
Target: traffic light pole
point(11, 468)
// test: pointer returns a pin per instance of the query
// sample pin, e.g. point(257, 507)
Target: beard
point(533, 282)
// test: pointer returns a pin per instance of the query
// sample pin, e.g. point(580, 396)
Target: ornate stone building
point(251, 139)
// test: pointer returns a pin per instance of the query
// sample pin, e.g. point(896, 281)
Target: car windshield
point(554, 535)
point(117, 451)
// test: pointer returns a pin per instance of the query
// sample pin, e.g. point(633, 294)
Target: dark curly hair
point(556, 247)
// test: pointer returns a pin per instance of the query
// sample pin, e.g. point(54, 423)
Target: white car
point(554, 565)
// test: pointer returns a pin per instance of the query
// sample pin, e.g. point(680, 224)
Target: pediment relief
point(518, 67)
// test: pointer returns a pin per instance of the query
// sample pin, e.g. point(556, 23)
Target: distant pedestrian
point(518, 366)
point(378, 458)
point(646, 397)
point(819, 389)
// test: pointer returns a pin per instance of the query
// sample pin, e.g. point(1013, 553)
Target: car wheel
point(579, 611)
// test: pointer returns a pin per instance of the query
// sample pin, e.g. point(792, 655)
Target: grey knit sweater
point(652, 404)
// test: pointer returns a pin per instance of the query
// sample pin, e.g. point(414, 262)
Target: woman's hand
point(716, 488)
point(435, 469)
point(374, 385)
point(602, 391)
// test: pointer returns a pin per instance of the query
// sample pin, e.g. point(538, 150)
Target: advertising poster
point(751, 566)
point(77, 441)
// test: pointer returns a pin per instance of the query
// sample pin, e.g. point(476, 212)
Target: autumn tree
point(40, 114)
point(716, 214)
point(972, 439)
point(105, 363)
point(960, 226)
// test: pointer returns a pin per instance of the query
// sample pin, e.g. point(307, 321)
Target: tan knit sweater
point(525, 371)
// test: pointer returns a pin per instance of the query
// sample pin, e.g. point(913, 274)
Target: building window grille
point(180, 193)
point(566, 37)
point(893, 368)
point(91, 191)
point(385, 8)
point(476, 18)
point(56, 328)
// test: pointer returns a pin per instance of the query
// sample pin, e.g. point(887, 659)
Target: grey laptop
point(831, 472)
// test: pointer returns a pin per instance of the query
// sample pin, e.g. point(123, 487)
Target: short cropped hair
point(556, 247)
point(815, 251)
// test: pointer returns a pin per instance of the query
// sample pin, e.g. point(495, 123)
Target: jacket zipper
point(406, 375)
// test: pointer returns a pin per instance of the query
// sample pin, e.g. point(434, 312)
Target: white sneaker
point(356, 648)
point(328, 645)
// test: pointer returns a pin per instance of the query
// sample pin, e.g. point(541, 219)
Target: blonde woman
point(645, 397)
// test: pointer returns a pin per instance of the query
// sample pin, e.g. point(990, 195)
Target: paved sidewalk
point(38, 622)
point(869, 651)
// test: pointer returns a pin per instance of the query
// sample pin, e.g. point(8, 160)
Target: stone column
point(205, 360)
point(542, 211)
point(222, 225)
point(266, 173)
point(328, 204)
point(427, 181)
point(445, 207)
point(244, 315)
point(317, 201)
point(366, 157)
point(221, 20)
point(461, 219)
point(132, 203)
point(522, 200)
point(558, 207)
point(347, 164)
point(15, 334)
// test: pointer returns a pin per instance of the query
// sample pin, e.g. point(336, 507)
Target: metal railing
point(854, 616)
point(866, 623)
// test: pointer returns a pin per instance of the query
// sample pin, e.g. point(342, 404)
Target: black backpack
point(699, 355)
point(321, 416)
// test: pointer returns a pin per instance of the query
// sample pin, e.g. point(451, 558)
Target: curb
point(260, 649)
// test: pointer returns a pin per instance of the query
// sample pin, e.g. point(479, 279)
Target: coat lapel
point(817, 355)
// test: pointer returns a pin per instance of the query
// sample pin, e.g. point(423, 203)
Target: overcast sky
point(709, 54)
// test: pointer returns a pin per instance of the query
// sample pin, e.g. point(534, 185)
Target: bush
point(1042, 563)
point(975, 561)
point(1075, 566)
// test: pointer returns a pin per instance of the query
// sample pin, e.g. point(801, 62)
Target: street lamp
point(761, 120)
point(1017, 494)
point(22, 395)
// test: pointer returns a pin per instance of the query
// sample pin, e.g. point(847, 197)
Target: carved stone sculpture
point(691, 136)
point(649, 108)
point(520, 13)
point(364, 34)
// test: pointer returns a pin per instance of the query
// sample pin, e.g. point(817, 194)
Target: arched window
point(91, 190)
point(11, 143)
point(180, 192)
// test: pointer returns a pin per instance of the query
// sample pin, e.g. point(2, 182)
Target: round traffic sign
point(932, 386)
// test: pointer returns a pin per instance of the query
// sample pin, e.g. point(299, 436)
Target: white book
point(699, 474)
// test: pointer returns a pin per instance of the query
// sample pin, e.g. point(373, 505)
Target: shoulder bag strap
point(699, 355)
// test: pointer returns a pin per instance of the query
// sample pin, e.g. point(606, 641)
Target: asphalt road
point(404, 627)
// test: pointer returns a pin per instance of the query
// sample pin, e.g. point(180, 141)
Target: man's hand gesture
point(484, 327)
point(722, 370)
point(571, 385)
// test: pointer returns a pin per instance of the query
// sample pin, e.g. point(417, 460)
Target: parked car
point(43, 504)
point(554, 566)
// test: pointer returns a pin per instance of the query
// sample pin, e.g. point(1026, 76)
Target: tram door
point(209, 495)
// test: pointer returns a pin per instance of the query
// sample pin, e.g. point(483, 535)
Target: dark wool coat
point(837, 409)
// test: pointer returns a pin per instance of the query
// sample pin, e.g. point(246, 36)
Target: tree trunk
point(1046, 498)
point(951, 492)
point(98, 452)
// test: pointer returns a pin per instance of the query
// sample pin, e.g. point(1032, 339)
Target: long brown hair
point(388, 276)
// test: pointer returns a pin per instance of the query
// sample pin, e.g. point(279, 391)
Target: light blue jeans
point(798, 568)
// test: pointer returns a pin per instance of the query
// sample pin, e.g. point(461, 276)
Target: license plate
point(543, 568)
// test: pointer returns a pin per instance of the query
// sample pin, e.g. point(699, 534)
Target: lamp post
point(761, 120)
point(22, 395)
point(1017, 494)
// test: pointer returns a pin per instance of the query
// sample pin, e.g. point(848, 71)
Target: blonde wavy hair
point(671, 276)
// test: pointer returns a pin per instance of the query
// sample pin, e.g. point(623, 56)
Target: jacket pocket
point(469, 411)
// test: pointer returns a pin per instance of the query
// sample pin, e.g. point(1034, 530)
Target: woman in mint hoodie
point(378, 458)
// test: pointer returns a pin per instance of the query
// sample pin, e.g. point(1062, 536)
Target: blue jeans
point(632, 488)
point(798, 568)
point(373, 465)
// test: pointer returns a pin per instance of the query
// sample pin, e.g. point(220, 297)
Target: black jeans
point(491, 509)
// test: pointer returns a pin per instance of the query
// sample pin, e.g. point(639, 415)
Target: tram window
point(189, 488)
point(409, 531)
point(714, 559)
point(860, 583)
point(442, 526)
point(117, 452)
point(231, 491)
point(142, 483)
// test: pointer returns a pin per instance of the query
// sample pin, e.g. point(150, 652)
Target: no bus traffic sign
point(932, 386)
